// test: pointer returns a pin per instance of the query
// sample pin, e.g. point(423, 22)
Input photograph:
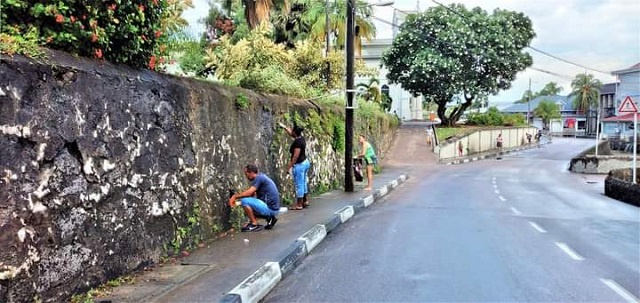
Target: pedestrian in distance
point(298, 167)
point(369, 155)
point(460, 148)
point(529, 138)
point(499, 145)
point(260, 200)
point(429, 136)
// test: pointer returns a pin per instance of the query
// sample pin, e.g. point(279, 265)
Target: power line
point(530, 47)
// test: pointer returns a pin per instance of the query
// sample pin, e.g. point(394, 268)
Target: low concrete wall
point(618, 186)
point(485, 140)
point(590, 164)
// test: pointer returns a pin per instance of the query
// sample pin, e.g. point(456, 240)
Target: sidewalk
point(211, 272)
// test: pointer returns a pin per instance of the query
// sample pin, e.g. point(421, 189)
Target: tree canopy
point(550, 89)
point(547, 110)
point(447, 51)
point(586, 89)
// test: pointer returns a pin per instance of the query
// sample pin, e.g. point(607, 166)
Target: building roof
point(609, 88)
point(623, 118)
point(631, 69)
point(567, 104)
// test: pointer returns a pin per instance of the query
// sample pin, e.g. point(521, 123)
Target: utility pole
point(348, 130)
point(529, 102)
point(328, 38)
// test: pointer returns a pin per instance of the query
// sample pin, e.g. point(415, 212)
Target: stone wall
point(590, 164)
point(618, 185)
point(105, 169)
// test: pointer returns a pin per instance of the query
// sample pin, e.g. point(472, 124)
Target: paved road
point(520, 229)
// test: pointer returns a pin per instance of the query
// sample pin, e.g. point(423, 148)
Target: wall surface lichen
point(104, 169)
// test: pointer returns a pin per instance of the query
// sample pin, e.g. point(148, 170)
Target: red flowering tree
point(121, 31)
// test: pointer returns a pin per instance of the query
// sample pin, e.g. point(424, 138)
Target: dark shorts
point(371, 160)
point(499, 144)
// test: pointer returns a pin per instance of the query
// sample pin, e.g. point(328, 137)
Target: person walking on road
point(299, 165)
point(370, 159)
point(261, 199)
point(499, 144)
point(460, 148)
point(429, 136)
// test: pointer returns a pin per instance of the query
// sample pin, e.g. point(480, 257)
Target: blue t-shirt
point(267, 191)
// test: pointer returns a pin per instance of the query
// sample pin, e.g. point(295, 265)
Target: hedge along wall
point(106, 169)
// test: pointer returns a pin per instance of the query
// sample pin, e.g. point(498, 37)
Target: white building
point(404, 104)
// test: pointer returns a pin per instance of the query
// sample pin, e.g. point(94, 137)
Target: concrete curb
point(261, 282)
point(492, 155)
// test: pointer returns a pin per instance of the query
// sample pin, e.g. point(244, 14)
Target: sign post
point(628, 106)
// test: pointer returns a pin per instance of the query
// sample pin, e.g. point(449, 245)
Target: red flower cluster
point(59, 18)
point(112, 7)
point(152, 62)
point(98, 53)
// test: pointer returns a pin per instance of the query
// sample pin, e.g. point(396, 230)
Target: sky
point(600, 34)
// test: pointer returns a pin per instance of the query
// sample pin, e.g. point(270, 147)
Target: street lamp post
point(348, 130)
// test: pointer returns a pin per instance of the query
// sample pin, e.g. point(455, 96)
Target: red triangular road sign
point(628, 106)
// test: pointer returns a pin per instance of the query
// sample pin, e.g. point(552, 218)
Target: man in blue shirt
point(261, 199)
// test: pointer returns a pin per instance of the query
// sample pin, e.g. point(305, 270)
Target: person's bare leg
point(305, 200)
point(249, 212)
point(369, 177)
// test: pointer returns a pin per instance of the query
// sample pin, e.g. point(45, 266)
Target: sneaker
point(251, 227)
point(271, 221)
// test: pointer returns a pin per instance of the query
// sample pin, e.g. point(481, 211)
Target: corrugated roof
point(567, 104)
point(631, 69)
point(623, 118)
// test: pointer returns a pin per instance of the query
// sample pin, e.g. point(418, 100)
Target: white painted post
point(635, 145)
point(597, 126)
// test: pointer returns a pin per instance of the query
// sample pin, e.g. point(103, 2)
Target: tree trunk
point(455, 115)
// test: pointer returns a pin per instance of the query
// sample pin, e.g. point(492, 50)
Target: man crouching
point(260, 200)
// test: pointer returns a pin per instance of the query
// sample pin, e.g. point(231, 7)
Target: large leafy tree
point(586, 90)
point(547, 110)
point(452, 50)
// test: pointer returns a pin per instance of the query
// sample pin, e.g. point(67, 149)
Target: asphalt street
point(520, 229)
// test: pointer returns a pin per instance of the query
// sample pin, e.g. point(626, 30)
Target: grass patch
point(446, 132)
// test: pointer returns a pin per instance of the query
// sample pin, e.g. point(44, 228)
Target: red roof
point(623, 118)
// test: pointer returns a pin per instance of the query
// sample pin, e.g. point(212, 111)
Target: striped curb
point(262, 281)
point(478, 158)
point(258, 285)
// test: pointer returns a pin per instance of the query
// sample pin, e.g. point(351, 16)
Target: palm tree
point(547, 110)
point(315, 18)
point(586, 91)
point(370, 91)
point(550, 89)
point(257, 11)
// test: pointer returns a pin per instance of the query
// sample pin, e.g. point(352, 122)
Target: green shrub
point(119, 31)
point(272, 79)
point(242, 102)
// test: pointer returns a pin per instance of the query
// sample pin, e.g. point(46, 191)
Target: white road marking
point(495, 186)
point(537, 227)
point(620, 290)
point(497, 191)
point(503, 199)
point(574, 255)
